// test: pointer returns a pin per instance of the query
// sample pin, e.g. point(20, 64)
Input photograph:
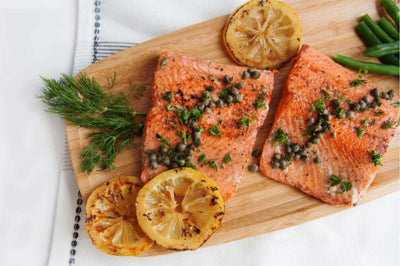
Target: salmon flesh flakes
point(330, 130)
point(204, 115)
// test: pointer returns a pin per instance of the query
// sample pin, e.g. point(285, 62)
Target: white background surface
point(37, 38)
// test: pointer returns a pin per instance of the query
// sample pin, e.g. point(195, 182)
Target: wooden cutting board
point(260, 205)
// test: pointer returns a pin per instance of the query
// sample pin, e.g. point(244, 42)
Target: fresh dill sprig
point(84, 103)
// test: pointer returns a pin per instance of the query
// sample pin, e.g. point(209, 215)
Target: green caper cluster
point(251, 73)
point(380, 95)
point(293, 152)
point(171, 157)
point(318, 127)
point(230, 95)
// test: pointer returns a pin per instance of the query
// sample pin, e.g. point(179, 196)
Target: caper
point(154, 164)
point(350, 114)
point(319, 135)
point(365, 99)
point(206, 102)
point(201, 106)
point(189, 151)
point(196, 134)
point(164, 149)
point(289, 156)
point(318, 127)
point(245, 75)
point(325, 112)
point(181, 146)
point(277, 156)
point(240, 85)
point(253, 168)
point(227, 79)
point(373, 105)
point(251, 70)
point(211, 105)
point(255, 75)
point(153, 157)
point(297, 157)
point(275, 164)
point(311, 121)
point(283, 164)
point(355, 107)
point(234, 91)
point(333, 134)
point(181, 162)
point(174, 165)
point(220, 103)
point(328, 117)
point(305, 159)
point(188, 157)
point(390, 93)
point(315, 140)
point(335, 102)
point(166, 161)
point(308, 144)
point(317, 160)
point(238, 98)
point(341, 114)
point(206, 94)
point(207, 110)
point(375, 92)
point(325, 129)
point(303, 153)
point(330, 127)
point(160, 157)
point(193, 123)
point(363, 105)
point(288, 149)
point(384, 95)
point(229, 99)
point(295, 147)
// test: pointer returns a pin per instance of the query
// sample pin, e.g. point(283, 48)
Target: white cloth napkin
point(354, 237)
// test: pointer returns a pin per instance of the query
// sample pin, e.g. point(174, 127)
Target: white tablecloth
point(38, 192)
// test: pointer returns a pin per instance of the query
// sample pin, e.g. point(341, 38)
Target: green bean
point(392, 9)
point(380, 33)
point(389, 28)
point(371, 67)
point(370, 39)
point(382, 49)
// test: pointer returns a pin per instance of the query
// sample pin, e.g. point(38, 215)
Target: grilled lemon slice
point(262, 34)
point(111, 218)
point(180, 208)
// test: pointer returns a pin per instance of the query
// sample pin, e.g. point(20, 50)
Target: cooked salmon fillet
point(340, 166)
point(179, 84)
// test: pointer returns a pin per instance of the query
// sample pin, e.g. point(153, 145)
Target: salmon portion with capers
point(204, 115)
point(330, 131)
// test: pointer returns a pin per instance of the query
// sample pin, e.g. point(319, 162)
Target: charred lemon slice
point(111, 218)
point(262, 34)
point(180, 208)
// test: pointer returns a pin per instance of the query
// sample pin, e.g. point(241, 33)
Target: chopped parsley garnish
point(164, 62)
point(214, 130)
point(189, 164)
point(184, 136)
point(281, 136)
point(376, 157)
point(357, 82)
point(344, 185)
point(374, 122)
point(388, 124)
point(246, 121)
point(327, 95)
point(396, 104)
point(360, 132)
point(201, 129)
point(170, 107)
point(183, 115)
point(318, 106)
point(362, 72)
point(213, 164)
point(196, 113)
point(202, 158)
point(224, 94)
point(260, 103)
point(380, 113)
point(210, 88)
point(168, 96)
point(366, 122)
point(227, 158)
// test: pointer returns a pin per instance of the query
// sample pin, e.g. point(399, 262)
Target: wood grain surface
point(260, 205)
